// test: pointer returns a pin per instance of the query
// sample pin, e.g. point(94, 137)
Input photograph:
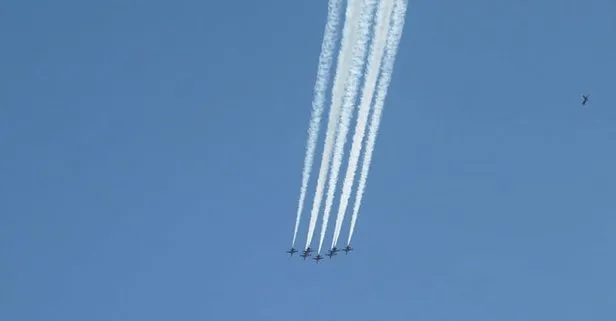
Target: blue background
point(151, 159)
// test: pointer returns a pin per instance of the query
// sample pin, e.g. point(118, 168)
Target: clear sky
point(151, 156)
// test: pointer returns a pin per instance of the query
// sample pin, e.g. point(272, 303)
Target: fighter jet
point(306, 253)
point(332, 252)
point(584, 99)
point(347, 249)
point(318, 258)
point(291, 251)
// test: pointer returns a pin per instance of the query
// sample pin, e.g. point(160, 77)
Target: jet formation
point(330, 253)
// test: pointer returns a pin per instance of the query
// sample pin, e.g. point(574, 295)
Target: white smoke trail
point(352, 86)
point(393, 40)
point(325, 62)
point(372, 72)
point(342, 69)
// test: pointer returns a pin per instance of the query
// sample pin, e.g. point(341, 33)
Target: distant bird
point(584, 99)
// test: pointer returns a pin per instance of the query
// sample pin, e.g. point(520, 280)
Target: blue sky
point(152, 153)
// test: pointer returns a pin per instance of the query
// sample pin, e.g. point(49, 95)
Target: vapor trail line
point(372, 71)
point(352, 87)
point(393, 40)
point(334, 111)
point(325, 62)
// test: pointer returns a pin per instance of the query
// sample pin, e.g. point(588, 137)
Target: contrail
point(372, 71)
point(393, 40)
point(325, 62)
point(352, 86)
point(334, 111)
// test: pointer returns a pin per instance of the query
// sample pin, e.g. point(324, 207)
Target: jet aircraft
point(306, 253)
point(318, 258)
point(291, 251)
point(347, 249)
point(332, 252)
point(584, 99)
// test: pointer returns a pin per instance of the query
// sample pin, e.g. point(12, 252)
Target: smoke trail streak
point(334, 113)
point(372, 71)
point(352, 87)
point(325, 62)
point(393, 40)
